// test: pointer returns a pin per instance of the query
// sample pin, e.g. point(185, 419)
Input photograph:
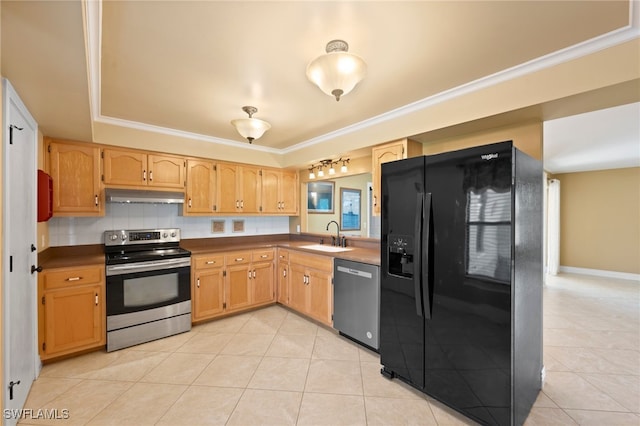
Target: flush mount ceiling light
point(250, 128)
point(337, 72)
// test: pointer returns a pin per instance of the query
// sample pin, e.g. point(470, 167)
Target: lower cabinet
point(231, 282)
point(207, 292)
point(310, 290)
point(71, 312)
point(282, 275)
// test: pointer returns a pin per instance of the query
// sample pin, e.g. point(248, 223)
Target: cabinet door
point(249, 189)
point(238, 290)
point(73, 319)
point(75, 170)
point(208, 293)
point(289, 190)
point(262, 283)
point(228, 197)
point(126, 168)
point(283, 283)
point(298, 288)
point(271, 191)
point(201, 187)
point(166, 171)
point(320, 296)
point(379, 155)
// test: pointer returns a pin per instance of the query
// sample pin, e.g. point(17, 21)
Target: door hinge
point(10, 263)
point(215, 208)
point(215, 168)
point(102, 178)
point(331, 317)
point(260, 208)
point(44, 346)
point(49, 148)
point(260, 173)
point(224, 273)
point(42, 300)
point(224, 305)
point(11, 127)
point(403, 149)
point(101, 154)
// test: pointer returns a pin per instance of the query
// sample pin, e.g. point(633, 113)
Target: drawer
point(70, 277)
point(209, 261)
point(262, 255)
point(238, 258)
point(320, 262)
point(283, 255)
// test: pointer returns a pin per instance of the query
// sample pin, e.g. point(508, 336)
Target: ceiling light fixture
point(337, 72)
point(344, 169)
point(250, 128)
point(330, 164)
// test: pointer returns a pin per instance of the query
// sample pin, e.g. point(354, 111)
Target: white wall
point(66, 231)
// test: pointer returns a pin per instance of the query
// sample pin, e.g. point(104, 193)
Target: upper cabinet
point(279, 192)
point(201, 196)
point(75, 170)
point(131, 168)
point(392, 151)
point(238, 188)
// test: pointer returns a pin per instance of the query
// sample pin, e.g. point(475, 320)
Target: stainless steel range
point(148, 286)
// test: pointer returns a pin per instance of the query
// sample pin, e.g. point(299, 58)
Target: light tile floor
point(274, 367)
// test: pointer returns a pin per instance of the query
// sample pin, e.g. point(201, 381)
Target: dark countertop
point(362, 249)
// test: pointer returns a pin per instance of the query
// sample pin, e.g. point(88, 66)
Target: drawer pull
point(264, 256)
point(73, 279)
point(239, 259)
point(96, 299)
point(210, 262)
point(198, 283)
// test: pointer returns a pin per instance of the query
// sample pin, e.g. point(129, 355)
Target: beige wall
point(527, 137)
point(600, 220)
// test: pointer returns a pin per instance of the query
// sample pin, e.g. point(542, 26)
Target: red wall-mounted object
point(45, 196)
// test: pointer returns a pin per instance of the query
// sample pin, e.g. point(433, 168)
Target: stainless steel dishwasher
point(356, 301)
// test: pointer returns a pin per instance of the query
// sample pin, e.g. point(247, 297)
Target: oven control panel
point(140, 236)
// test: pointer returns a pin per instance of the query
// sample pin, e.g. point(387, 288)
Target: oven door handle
point(147, 266)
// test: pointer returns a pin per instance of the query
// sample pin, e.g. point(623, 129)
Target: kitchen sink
point(325, 248)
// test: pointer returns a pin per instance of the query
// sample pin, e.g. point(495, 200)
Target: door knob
point(34, 269)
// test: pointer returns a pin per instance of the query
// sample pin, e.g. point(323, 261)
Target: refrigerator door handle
point(424, 261)
point(417, 254)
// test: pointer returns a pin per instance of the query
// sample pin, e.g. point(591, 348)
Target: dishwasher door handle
point(363, 274)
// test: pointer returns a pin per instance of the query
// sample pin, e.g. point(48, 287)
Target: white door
point(19, 233)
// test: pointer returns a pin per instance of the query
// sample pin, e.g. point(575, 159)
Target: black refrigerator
point(461, 279)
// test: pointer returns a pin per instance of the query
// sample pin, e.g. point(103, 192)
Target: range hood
point(142, 196)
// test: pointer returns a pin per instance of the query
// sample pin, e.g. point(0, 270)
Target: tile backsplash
point(67, 231)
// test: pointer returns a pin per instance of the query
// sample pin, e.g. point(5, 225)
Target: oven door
point(140, 286)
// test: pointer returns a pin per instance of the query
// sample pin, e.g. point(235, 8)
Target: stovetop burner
point(145, 255)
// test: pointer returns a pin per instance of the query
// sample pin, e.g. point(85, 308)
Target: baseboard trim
point(600, 273)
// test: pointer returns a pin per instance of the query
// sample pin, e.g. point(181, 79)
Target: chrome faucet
point(337, 237)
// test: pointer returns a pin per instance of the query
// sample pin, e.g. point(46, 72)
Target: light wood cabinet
point(279, 192)
point(282, 276)
point(201, 196)
point(310, 286)
point(71, 312)
point(75, 170)
point(392, 151)
point(207, 283)
point(238, 188)
point(249, 279)
point(132, 168)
